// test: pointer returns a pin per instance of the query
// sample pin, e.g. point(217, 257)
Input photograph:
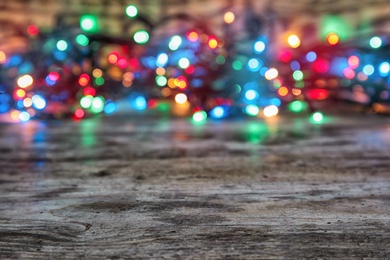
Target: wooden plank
point(120, 188)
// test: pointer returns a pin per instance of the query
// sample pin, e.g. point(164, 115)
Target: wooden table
point(130, 187)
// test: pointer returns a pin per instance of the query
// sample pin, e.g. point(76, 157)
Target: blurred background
point(198, 59)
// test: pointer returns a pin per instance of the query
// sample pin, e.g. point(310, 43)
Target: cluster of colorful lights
point(78, 71)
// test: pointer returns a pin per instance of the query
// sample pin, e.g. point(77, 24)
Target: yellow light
point(270, 111)
point(2, 57)
point(182, 84)
point(25, 81)
point(271, 74)
point(332, 38)
point(229, 17)
point(294, 41)
point(181, 98)
point(97, 73)
point(160, 71)
point(213, 43)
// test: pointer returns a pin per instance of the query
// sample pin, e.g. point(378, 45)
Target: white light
point(270, 111)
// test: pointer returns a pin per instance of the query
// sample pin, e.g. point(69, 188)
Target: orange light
point(193, 36)
point(229, 17)
point(332, 38)
point(84, 80)
point(283, 91)
point(2, 57)
point(213, 43)
point(353, 62)
point(160, 71)
point(112, 58)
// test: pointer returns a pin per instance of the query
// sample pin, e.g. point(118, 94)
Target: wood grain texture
point(130, 188)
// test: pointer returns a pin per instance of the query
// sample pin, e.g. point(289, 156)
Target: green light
point(220, 60)
point(252, 110)
point(199, 116)
point(62, 45)
point(317, 118)
point(161, 81)
point(86, 101)
point(297, 106)
point(175, 43)
point(375, 42)
point(237, 65)
point(89, 23)
point(97, 105)
point(298, 75)
point(184, 63)
point(164, 107)
point(299, 84)
point(141, 37)
point(131, 11)
point(82, 40)
point(334, 24)
point(99, 81)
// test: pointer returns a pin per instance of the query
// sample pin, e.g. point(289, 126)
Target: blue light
point(24, 116)
point(196, 83)
point(311, 56)
point(295, 65)
point(110, 108)
point(19, 104)
point(263, 70)
point(60, 55)
point(251, 94)
point(254, 65)
point(4, 98)
point(4, 107)
point(259, 47)
point(217, 112)
point(140, 103)
point(15, 60)
point(162, 60)
point(384, 69)
point(276, 101)
point(49, 82)
point(368, 70)
point(38, 102)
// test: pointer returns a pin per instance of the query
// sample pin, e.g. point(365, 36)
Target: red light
point(285, 56)
point(88, 91)
point(190, 70)
point(84, 80)
point(32, 30)
point(122, 63)
point(319, 94)
point(152, 103)
point(79, 113)
point(320, 65)
point(54, 76)
point(134, 63)
point(192, 36)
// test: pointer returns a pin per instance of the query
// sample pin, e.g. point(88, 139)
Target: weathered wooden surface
point(130, 188)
